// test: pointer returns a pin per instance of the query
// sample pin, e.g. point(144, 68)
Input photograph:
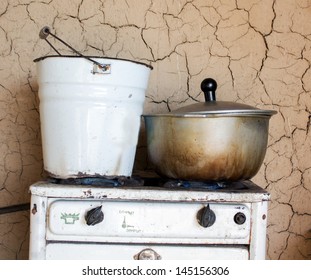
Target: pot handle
point(209, 86)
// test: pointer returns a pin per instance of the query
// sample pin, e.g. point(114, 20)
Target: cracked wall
point(258, 51)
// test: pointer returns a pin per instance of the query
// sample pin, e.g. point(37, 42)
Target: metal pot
point(212, 141)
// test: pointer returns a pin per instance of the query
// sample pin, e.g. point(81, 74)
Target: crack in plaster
point(213, 23)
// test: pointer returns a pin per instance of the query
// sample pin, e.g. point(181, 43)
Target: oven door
point(97, 251)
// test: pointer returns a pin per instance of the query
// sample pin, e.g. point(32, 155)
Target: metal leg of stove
point(37, 245)
point(258, 231)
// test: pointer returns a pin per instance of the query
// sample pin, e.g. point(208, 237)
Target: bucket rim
point(92, 57)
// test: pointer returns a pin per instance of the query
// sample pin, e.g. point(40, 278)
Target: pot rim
point(209, 114)
point(92, 57)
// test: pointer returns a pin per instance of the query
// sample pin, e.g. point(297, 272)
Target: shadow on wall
point(14, 232)
point(21, 144)
point(20, 165)
point(141, 157)
point(290, 246)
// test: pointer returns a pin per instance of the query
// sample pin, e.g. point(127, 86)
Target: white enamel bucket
point(90, 115)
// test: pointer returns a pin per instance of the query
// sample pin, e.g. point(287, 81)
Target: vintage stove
point(147, 218)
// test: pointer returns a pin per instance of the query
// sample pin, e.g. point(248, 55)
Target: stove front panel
point(147, 222)
point(143, 223)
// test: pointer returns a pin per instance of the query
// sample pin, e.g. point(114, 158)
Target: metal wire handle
point(46, 31)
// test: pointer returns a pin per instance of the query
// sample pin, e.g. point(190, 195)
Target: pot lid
point(213, 107)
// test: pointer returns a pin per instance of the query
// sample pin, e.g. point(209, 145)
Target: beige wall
point(259, 51)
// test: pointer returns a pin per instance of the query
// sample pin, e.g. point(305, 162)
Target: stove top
point(155, 182)
point(147, 188)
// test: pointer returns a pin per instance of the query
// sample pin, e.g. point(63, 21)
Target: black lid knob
point(209, 86)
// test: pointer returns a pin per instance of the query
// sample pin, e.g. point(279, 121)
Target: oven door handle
point(147, 254)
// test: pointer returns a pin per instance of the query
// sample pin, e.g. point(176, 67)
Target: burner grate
point(212, 186)
point(146, 182)
point(100, 181)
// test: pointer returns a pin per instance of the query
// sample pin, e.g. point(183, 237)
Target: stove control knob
point(206, 217)
point(239, 218)
point(94, 216)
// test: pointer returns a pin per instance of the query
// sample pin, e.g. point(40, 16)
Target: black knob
point(239, 218)
point(94, 216)
point(209, 86)
point(206, 217)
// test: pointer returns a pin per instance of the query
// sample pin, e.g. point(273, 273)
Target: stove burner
point(212, 186)
point(100, 181)
point(241, 186)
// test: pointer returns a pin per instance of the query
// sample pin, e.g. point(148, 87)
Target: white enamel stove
point(147, 222)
